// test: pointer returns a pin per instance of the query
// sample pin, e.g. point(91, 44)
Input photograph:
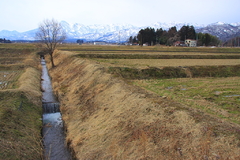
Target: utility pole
point(196, 39)
point(238, 42)
point(119, 38)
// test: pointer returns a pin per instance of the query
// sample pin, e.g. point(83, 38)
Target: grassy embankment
point(107, 118)
point(20, 103)
point(172, 62)
point(220, 96)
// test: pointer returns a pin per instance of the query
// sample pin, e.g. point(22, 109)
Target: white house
point(99, 43)
point(191, 43)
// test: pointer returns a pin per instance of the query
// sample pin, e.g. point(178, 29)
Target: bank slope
point(106, 118)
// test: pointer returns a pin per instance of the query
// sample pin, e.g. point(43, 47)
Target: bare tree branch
point(51, 34)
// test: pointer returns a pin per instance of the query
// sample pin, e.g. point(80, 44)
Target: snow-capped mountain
point(112, 32)
point(223, 31)
point(9, 34)
point(15, 35)
point(121, 32)
point(235, 24)
point(178, 25)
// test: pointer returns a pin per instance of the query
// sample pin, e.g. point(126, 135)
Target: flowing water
point(53, 133)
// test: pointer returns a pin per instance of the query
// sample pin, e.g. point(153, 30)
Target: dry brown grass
point(108, 119)
point(216, 96)
point(147, 52)
point(31, 86)
point(145, 63)
point(8, 79)
point(111, 48)
point(24, 78)
point(20, 104)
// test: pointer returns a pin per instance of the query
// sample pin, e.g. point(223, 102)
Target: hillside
point(222, 30)
point(108, 118)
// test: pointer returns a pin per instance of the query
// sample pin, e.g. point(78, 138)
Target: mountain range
point(121, 32)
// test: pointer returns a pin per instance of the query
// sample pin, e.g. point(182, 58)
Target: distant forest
point(150, 36)
point(233, 42)
point(4, 40)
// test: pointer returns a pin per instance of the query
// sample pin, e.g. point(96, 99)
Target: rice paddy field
point(12, 59)
point(217, 95)
point(156, 56)
point(145, 63)
point(20, 104)
point(132, 102)
point(189, 87)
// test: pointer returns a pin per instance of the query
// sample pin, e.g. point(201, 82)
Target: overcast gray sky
point(24, 15)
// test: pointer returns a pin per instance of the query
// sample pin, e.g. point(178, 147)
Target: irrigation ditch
point(108, 119)
point(111, 119)
point(52, 131)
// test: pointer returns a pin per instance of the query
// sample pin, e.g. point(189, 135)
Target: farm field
point(20, 110)
point(128, 111)
point(145, 63)
point(143, 57)
point(147, 49)
point(12, 59)
point(127, 102)
point(218, 96)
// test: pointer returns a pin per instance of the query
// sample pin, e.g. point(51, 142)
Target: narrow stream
point(53, 134)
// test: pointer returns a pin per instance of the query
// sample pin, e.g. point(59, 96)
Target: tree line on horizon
point(150, 36)
point(3, 40)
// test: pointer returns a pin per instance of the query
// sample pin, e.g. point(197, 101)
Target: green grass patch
point(215, 71)
point(176, 72)
point(132, 73)
point(217, 96)
point(9, 79)
point(157, 56)
point(20, 127)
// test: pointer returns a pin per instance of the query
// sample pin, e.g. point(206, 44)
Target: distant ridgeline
point(4, 40)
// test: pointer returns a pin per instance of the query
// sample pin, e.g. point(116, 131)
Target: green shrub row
point(148, 56)
point(176, 72)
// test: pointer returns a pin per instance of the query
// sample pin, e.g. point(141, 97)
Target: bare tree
point(51, 34)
